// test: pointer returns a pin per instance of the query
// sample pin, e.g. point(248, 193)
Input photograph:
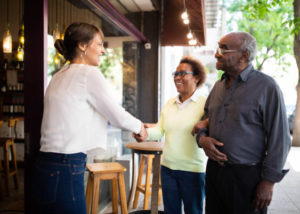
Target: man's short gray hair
point(248, 43)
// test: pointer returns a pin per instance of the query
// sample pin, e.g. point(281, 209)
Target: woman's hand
point(142, 136)
point(200, 125)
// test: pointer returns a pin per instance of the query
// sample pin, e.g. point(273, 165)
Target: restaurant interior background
point(140, 75)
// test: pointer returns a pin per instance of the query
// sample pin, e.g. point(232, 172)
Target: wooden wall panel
point(64, 13)
point(14, 14)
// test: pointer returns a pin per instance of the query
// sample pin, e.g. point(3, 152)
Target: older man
point(247, 140)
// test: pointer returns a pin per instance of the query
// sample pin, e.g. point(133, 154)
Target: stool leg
point(139, 182)
point(115, 196)
point(14, 160)
point(1, 191)
point(155, 184)
point(122, 193)
point(159, 192)
point(88, 195)
point(6, 168)
point(148, 182)
point(95, 198)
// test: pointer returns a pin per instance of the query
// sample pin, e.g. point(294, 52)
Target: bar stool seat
point(8, 145)
point(145, 188)
point(105, 171)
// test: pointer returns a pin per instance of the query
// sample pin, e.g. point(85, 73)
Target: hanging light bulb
point(192, 42)
point(186, 21)
point(56, 59)
point(20, 53)
point(7, 41)
point(184, 15)
point(189, 35)
point(56, 33)
point(21, 35)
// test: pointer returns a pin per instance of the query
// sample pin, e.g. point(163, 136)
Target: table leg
point(133, 182)
point(155, 184)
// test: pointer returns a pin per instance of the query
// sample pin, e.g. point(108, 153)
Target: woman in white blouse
point(77, 108)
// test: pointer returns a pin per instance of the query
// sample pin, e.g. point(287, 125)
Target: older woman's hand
point(200, 125)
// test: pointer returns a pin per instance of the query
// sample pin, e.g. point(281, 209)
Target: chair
point(145, 188)
point(9, 144)
point(105, 171)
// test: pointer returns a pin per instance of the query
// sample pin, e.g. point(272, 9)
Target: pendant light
point(56, 33)
point(7, 39)
point(20, 51)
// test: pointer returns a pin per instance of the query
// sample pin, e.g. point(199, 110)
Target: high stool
point(105, 171)
point(145, 188)
point(9, 144)
point(1, 123)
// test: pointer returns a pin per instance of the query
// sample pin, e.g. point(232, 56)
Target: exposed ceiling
point(174, 31)
point(129, 6)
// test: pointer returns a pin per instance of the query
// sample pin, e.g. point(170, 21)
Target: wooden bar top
point(146, 146)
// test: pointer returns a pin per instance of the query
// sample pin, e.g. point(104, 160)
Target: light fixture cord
point(7, 7)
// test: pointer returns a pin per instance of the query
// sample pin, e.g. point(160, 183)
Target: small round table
point(154, 148)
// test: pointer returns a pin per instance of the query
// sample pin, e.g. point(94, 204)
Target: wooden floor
point(286, 197)
point(14, 204)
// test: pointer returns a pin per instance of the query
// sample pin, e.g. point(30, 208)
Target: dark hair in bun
point(59, 45)
point(76, 33)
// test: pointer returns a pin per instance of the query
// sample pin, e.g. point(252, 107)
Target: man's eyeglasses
point(222, 51)
point(181, 73)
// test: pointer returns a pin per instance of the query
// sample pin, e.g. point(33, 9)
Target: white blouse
point(77, 107)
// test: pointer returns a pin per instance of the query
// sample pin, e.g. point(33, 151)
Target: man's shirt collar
point(244, 75)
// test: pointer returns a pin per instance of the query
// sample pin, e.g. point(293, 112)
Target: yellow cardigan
point(181, 151)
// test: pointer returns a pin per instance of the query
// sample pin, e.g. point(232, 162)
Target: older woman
point(183, 164)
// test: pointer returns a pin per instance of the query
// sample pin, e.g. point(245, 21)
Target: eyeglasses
point(222, 51)
point(181, 73)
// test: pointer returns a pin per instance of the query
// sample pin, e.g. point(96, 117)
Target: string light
point(186, 21)
point(189, 35)
point(184, 15)
point(192, 42)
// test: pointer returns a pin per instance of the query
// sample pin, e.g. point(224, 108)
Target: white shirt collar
point(194, 98)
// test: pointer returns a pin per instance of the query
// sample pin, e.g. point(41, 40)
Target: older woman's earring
point(84, 53)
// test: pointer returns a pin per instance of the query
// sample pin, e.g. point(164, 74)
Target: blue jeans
point(58, 184)
point(182, 186)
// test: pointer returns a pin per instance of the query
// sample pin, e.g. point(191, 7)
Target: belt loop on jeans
point(64, 158)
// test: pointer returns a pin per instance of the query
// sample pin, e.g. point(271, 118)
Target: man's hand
point(209, 146)
point(263, 194)
point(200, 125)
point(142, 136)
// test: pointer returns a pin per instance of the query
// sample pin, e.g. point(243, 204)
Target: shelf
point(7, 93)
point(8, 117)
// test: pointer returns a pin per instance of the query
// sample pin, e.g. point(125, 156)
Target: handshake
point(142, 136)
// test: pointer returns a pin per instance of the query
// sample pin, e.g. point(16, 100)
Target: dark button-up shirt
point(250, 119)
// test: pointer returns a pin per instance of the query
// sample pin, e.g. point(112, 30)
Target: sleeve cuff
point(202, 132)
point(273, 175)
